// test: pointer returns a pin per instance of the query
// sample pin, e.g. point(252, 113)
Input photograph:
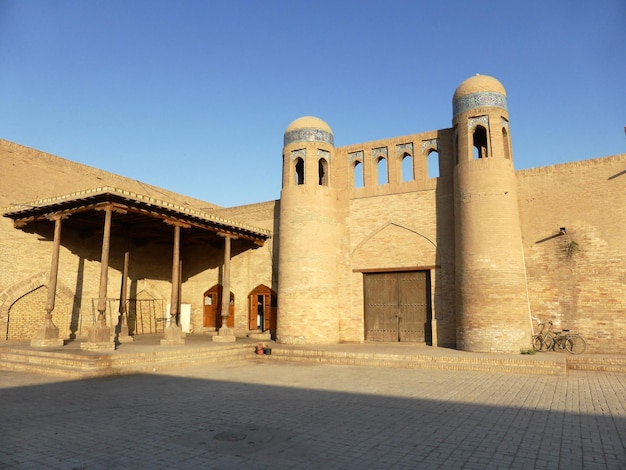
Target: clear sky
point(194, 96)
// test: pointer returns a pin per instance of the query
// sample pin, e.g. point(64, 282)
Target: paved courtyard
point(279, 415)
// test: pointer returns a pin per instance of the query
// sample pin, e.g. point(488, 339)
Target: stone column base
point(47, 335)
point(99, 337)
point(225, 335)
point(173, 335)
point(121, 331)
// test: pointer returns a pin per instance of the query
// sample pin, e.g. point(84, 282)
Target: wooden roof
point(135, 216)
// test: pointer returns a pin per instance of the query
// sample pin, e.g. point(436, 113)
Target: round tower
point(491, 293)
point(309, 236)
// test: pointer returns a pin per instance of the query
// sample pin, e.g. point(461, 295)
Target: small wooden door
point(212, 308)
point(262, 309)
point(397, 306)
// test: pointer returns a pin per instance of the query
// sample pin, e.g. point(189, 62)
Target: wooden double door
point(262, 311)
point(397, 306)
point(212, 309)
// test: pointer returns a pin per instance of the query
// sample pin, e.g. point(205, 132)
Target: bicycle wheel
point(576, 345)
point(538, 343)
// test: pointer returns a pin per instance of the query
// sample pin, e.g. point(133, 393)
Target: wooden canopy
point(141, 218)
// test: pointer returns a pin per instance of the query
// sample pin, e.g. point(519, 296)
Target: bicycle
point(544, 340)
point(572, 342)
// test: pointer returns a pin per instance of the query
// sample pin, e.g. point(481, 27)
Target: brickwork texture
point(490, 237)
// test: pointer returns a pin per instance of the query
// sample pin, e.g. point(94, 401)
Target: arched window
point(433, 164)
point(407, 168)
point(358, 174)
point(322, 169)
point(505, 144)
point(381, 169)
point(299, 171)
point(480, 142)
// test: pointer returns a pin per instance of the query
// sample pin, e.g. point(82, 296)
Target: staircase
point(79, 364)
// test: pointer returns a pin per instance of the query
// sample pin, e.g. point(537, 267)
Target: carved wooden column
point(48, 334)
point(100, 334)
point(121, 331)
point(225, 334)
point(174, 332)
point(175, 295)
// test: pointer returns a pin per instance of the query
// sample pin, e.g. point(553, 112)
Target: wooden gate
point(397, 306)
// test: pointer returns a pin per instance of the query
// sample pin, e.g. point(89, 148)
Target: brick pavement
point(279, 415)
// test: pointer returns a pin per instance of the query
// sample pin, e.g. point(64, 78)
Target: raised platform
point(146, 355)
point(407, 355)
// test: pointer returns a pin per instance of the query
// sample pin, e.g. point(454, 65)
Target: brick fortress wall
point(577, 279)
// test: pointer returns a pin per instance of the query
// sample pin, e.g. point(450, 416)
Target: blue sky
point(194, 96)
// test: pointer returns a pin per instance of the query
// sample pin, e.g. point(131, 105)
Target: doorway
point(212, 308)
point(397, 306)
point(262, 309)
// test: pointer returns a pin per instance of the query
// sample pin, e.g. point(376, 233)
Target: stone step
point(41, 358)
point(77, 363)
point(57, 370)
point(153, 362)
point(90, 364)
point(529, 365)
point(597, 363)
